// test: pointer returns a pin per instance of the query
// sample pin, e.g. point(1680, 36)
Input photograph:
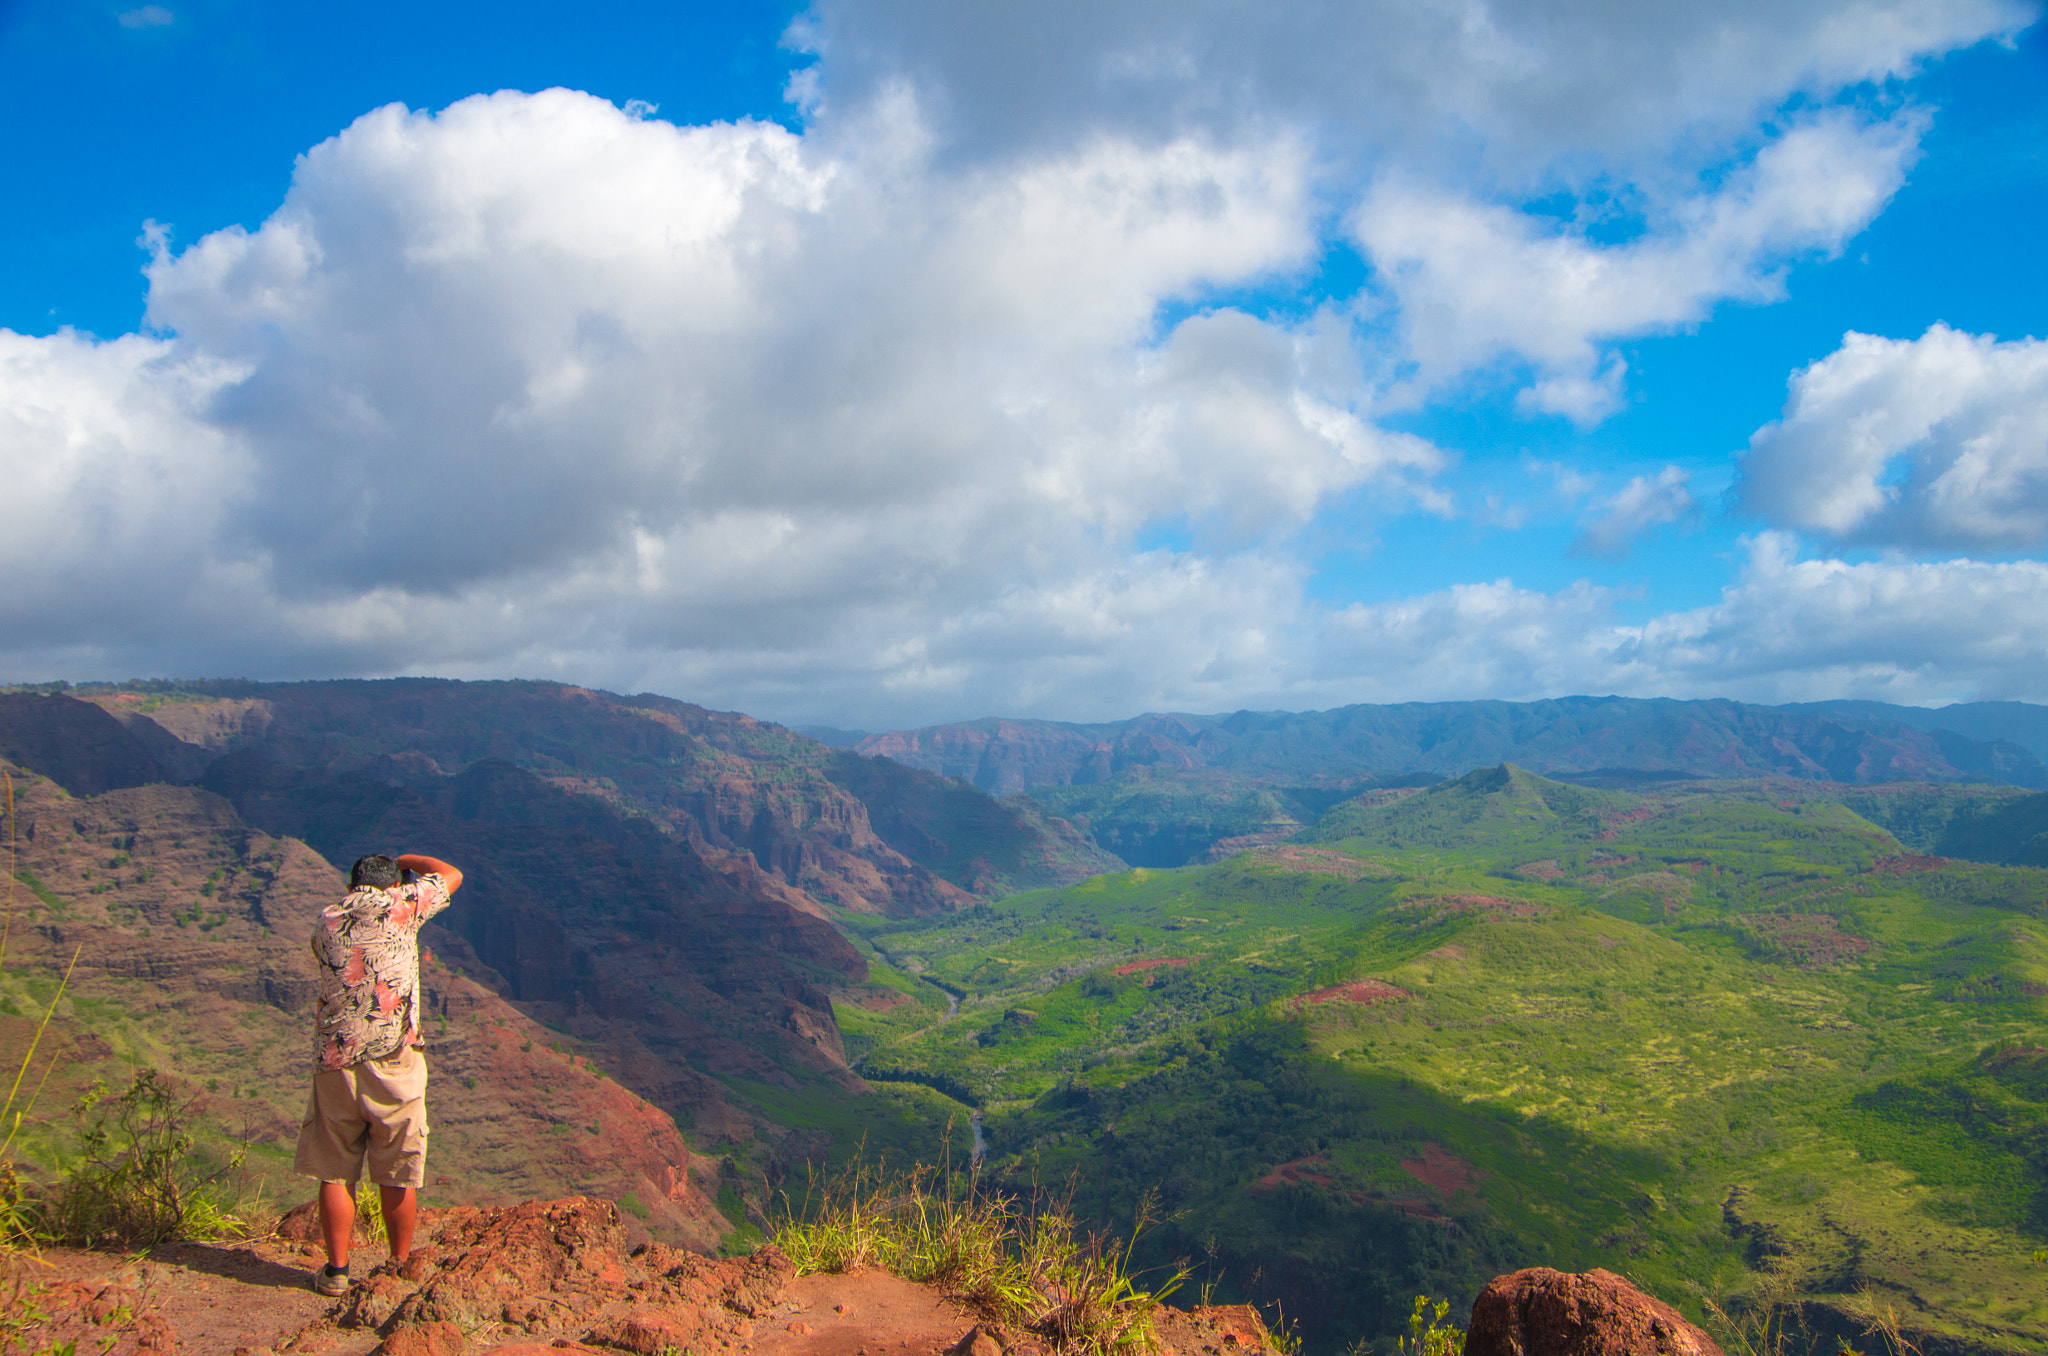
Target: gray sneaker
point(331, 1282)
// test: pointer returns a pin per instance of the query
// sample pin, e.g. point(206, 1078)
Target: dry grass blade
point(13, 865)
point(1759, 1326)
point(10, 1114)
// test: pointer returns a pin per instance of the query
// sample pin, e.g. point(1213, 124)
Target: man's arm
point(421, 866)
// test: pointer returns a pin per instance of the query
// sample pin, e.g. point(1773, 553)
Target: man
point(369, 1100)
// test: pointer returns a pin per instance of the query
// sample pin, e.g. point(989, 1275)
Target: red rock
point(645, 1334)
point(977, 1341)
point(494, 1258)
point(426, 1339)
point(764, 1274)
point(1540, 1312)
point(300, 1224)
point(154, 1333)
point(371, 1302)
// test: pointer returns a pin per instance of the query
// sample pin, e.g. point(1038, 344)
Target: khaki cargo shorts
point(375, 1110)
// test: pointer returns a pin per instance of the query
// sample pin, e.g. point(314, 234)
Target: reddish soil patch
point(1365, 992)
point(1132, 967)
point(1547, 869)
point(882, 1000)
point(1813, 940)
point(1614, 821)
point(191, 1298)
point(1438, 1167)
point(1907, 864)
point(1313, 1171)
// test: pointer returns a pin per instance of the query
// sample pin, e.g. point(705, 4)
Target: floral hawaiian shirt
point(368, 947)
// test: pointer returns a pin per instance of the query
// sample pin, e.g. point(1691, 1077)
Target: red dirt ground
point(1312, 1170)
point(1438, 1167)
point(1132, 967)
point(1614, 821)
point(531, 1280)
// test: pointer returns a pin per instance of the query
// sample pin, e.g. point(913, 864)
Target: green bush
point(137, 1183)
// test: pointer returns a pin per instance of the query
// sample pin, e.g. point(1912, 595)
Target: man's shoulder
point(419, 899)
point(364, 901)
point(432, 885)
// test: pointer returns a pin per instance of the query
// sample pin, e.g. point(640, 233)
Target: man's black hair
point(378, 871)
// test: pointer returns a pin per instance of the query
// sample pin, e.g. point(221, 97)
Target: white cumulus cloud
point(885, 419)
point(1477, 283)
point(534, 379)
point(1937, 442)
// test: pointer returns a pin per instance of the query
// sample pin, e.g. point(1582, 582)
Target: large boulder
point(1540, 1312)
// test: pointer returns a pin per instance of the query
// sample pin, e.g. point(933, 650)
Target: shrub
point(1428, 1333)
point(136, 1183)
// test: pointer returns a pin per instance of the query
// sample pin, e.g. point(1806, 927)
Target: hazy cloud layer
point(1520, 96)
point(1787, 629)
point(927, 410)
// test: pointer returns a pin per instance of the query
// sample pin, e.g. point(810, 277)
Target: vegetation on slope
point(1724, 1038)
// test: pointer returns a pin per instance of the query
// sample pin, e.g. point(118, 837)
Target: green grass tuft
point(1023, 1263)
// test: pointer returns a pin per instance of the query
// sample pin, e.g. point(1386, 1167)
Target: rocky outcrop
point(1540, 1312)
point(561, 1269)
point(554, 1275)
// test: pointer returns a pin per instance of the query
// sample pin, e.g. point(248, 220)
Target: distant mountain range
point(1575, 738)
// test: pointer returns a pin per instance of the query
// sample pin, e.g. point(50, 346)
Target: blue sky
point(885, 362)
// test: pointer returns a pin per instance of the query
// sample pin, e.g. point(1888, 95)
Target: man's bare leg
point(338, 1221)
point(401, 1209)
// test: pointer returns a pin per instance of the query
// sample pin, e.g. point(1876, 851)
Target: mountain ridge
point(1712, 737)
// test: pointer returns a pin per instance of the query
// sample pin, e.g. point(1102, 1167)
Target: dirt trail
point(540, 1277)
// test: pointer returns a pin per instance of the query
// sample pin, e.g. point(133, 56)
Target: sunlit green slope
point(1730, 1040)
